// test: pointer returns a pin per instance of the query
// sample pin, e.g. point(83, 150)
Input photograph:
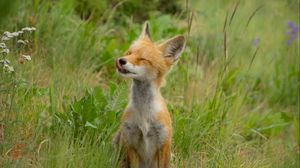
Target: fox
point(146, 131)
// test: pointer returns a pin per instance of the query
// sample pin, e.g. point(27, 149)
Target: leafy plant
point(98, 110)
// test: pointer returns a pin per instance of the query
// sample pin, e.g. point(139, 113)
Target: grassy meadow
point(233, 96)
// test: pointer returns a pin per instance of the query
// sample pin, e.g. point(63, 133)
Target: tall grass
point(234, 95)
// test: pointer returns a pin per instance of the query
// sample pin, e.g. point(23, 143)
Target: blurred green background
point(233, 96)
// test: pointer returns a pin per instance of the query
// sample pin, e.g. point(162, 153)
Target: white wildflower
point(27, 57)
point(7, 34)
point(15, 34)
point(3, 45)
point(5, 61)
point(20, 32)
point(5, 38)
point(26, 29)
point(30, 29)
point(5, 50)
point(21, 42)
point(26, 41)
point(9, 68)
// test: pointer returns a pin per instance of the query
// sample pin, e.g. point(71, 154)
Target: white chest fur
point(145, 104)
point(143, 131)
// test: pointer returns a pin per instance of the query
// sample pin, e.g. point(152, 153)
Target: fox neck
point(145, 98)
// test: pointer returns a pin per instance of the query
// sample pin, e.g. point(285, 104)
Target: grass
point(233, 103)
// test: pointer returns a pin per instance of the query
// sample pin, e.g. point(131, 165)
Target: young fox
point(146, 129)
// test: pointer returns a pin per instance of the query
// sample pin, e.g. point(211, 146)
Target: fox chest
point(146, 138)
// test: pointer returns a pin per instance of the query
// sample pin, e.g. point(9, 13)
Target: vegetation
point(233, 96)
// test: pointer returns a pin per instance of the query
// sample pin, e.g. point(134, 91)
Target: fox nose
point(122, 61)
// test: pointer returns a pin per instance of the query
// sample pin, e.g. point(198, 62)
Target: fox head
point(146, 60)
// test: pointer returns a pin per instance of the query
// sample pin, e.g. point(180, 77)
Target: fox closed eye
point(145, 61)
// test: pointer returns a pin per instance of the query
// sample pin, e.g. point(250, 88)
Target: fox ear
point(173, 48)
point(146, 31)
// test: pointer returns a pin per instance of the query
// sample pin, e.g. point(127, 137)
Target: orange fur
point(146, 129)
